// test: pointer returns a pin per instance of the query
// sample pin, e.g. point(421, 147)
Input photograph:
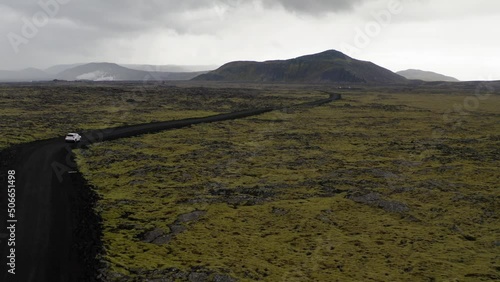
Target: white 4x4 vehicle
point(73, 137)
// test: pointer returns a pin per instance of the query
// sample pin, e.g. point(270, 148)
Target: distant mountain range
point(111, 72)
point(54, 70)
point(103, 72)
point(426, 76)
point(24, 75)
point(326, 67)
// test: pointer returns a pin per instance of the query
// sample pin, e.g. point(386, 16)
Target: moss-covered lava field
point(381, 186)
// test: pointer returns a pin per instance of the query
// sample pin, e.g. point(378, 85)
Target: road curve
point(56, 233)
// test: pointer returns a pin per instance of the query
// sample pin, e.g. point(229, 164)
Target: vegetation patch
point(361, 189)
point(32, 112)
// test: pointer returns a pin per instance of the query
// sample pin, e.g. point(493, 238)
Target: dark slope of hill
point(326, 67)
point(426, 75)
point(110, 72)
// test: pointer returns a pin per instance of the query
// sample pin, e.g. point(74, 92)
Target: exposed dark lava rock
point(159, 237)
point(174, 274)
point(152, 235)
point(192, 216)
point(376, 200)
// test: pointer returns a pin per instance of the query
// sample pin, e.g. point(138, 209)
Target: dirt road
point(55, 231)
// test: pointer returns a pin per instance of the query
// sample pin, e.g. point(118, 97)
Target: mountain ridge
point(330, 66)
point(415, 74)
point(28, 74)
point(93, 72)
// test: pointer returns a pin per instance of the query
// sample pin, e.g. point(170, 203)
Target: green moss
point(33, 112)
point(278, 193)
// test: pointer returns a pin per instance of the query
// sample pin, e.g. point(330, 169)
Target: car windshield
point(70, 135)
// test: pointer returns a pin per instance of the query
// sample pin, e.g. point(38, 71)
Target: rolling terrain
point(390, 183)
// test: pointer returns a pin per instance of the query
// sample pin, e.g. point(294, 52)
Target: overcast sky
point(454, 37)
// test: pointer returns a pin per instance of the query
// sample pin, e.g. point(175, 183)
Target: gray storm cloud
point(87, 21)
point(162, 31)
point(313, 7)
point(126, 15)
